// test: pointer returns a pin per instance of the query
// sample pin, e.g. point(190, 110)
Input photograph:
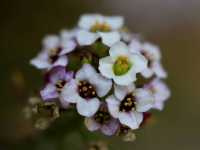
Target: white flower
point(86, 89)
point(93, 27)
point(121, 65)
point(153, 55)
point(160, 92)
point(53, 52)
point(128, 105)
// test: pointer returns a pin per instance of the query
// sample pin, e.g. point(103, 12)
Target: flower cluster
point(111, 77)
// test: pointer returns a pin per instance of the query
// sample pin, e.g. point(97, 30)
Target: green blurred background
point(172, 24)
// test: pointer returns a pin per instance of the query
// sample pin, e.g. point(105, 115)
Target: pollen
point(101, 27)
point(121, 66)
point(86, 90)
point(128, 103)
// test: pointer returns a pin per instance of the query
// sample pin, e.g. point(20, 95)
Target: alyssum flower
point(128, 104)
point(57, 79)
point(122, 66)
point(86, 90)
point(160, 92)
point(152, 54)
point(103, 121)
point(93, 27)
point(53, 52)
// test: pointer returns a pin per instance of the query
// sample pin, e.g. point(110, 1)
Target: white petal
point(115, 22)
point(88, 20)
point(145, 100)
point(67, 46)
point(139, 62)
point(159, 70)
point(132, 119)
point(106, 67)
point(160, 90)
point(158, 105)
point(110, 38)
point(125, 79)
point(102, 85)
point(147, 73)
point(68, 34)
point(61, 61)
point(69, 92)
point(122, 91)
point(51, 41)
point(86, 72)
point(91, 124)
point(135, 46)
point(86, 38)
point(113, 106)
point(41, 61)
point(119, 49)
point(88, 107)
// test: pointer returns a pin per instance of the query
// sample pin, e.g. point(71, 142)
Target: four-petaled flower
point(86, 90)
point(58, 77)
point(103, 121)
point(122, 66)
point(54, 52)
point(152, 54)
point(160, 92)
point(128, 104)
point(93, 27)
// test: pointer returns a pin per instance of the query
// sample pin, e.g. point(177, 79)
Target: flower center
point(102, 117)
point(59, 85)
point(121, 66)
point(128, 103)
point(102, 27)
point(86, 90)
point(53, 54)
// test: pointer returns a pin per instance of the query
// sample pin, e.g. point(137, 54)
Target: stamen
point(86, 90)
point(128, 103)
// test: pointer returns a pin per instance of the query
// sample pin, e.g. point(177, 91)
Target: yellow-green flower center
point(102, 27)
point(121, 66)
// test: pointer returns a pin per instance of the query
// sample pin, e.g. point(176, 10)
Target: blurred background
point(173, 24)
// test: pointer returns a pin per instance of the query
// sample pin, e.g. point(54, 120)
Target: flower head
point(122, 66)
point(128, 105)
point(86, 89)
point(97, 26)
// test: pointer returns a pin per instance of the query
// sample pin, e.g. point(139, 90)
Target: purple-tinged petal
point(131, 119)
point(91, 124)
point(57, 73)
point(89, 107)
point(111, 127)
point(49, 92)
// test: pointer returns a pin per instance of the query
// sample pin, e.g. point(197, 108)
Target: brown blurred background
point(172, 24)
